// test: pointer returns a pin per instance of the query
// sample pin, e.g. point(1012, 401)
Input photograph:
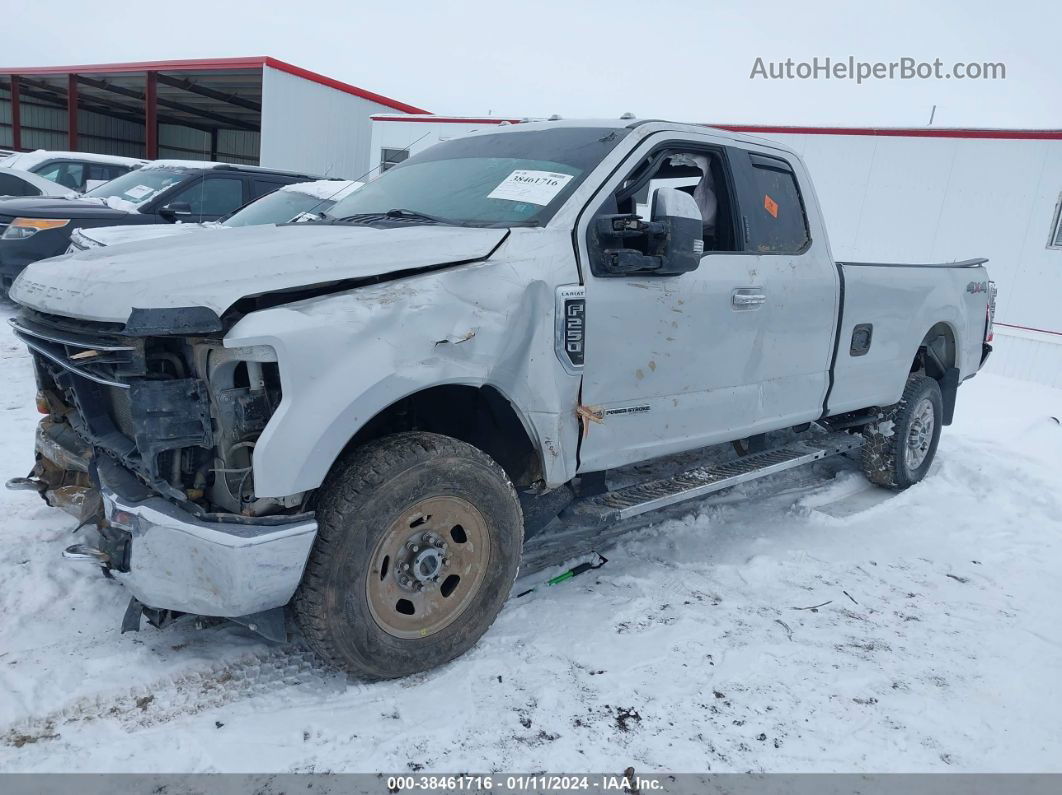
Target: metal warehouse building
point(257, 111)
point(908, 195)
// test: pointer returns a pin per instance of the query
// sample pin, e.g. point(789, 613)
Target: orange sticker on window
point(770, 205)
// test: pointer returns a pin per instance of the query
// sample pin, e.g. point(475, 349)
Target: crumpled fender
point(344, 358)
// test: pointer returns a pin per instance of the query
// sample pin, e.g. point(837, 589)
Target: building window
point(392, 157)
point(1055, 241)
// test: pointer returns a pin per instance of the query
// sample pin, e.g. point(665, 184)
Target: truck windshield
point(503, 179)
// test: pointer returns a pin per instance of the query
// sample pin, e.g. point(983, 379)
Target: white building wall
point(313, 128)
point(414, 136)
point(918, 199)
point(1028, 355)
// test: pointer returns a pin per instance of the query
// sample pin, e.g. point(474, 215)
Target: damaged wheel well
point(480, 416)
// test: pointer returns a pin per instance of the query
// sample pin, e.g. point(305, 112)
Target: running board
point(615, 506)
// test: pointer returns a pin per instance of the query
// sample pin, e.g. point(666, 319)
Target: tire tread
point(354, 477)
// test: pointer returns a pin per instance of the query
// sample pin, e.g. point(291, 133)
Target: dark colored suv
point(165, 191)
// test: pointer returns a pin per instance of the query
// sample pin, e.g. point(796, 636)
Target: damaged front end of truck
point(147, 439)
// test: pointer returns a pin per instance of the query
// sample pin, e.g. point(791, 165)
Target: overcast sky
point(681, 59)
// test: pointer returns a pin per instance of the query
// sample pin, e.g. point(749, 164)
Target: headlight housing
point(21, 228)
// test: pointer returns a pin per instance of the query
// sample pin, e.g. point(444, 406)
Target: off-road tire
point(885, 440)
point(364, 495)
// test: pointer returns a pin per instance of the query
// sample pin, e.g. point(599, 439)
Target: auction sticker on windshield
point(536, 187)
point(139, 192)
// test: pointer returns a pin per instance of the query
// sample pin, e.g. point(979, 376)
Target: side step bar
point(615, 506)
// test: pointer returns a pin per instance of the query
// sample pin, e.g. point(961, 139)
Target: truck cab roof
point(643, 126)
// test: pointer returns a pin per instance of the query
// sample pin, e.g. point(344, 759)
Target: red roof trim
point(215, 64)
point(207, 64)
point(1028, 328)
point(912, 132)
point(447, 119)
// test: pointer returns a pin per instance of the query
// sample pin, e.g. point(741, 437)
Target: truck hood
point(216, 270)
point(115, 235)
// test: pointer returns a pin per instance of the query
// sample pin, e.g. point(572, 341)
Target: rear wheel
point(899, 448)
point(419, 541)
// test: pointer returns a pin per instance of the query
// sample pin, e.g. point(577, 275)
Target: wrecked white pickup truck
point(355, 423)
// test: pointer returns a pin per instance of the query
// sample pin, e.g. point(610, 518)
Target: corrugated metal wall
point(44, 127)
point(239, 146)
point(186, 143)
point(315, 129)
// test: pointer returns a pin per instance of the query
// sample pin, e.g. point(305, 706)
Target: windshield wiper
point(398, 215)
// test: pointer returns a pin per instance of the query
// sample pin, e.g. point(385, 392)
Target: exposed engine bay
point(183, 413)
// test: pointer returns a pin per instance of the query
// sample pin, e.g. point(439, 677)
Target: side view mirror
point(669, 244)
point(174, 209)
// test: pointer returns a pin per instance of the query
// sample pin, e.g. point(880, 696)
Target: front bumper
point(172, 560)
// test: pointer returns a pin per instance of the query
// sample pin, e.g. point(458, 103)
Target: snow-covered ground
point(935, 644)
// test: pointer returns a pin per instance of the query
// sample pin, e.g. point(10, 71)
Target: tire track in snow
point(292, 667)
point(296, 670)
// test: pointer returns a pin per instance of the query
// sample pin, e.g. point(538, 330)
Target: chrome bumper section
point(174, 560)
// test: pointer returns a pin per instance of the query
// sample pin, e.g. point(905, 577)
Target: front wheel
point(899, 448)
point(418, 544)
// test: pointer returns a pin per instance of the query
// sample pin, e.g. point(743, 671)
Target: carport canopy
point(211, 96)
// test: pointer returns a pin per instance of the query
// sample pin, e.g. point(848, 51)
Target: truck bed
point(884, 316)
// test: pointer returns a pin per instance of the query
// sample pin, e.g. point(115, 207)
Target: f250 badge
point(977, 287)
point(570, 333)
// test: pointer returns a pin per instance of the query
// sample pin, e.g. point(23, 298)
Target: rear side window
point(99, 173)
point(261, 187)
point(776, 221)
point(68, 174)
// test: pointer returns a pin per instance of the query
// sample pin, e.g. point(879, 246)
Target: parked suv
point(75, 171)
point(164, 191)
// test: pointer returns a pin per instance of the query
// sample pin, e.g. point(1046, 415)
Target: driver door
point(671, 361)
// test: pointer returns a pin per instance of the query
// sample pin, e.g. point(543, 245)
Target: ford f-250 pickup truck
point(355, 423)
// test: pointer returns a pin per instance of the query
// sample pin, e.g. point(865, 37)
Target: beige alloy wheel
point(428, 567)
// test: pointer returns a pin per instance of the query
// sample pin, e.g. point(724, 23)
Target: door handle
point(748, 297)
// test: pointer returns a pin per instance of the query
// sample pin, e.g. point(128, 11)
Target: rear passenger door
point(798, 287)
